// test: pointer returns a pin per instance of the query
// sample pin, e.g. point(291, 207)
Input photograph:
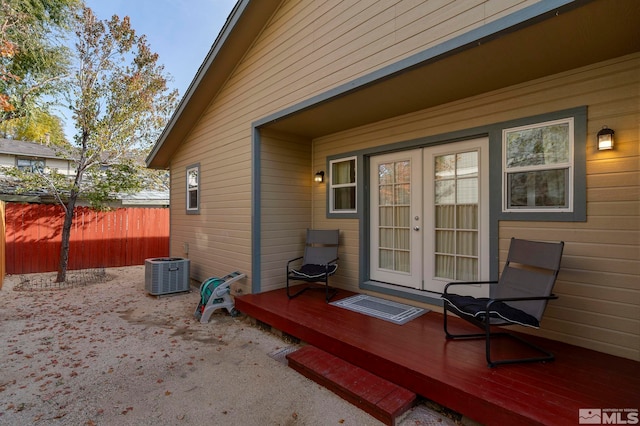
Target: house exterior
point(36, 157)
point(443, 129)
point(32, 156)
point(28, 156)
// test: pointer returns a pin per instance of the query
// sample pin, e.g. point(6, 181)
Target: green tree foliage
point(33, 59)
point(119, 100)
point(39, 126)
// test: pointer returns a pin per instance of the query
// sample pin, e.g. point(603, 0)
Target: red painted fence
point(121, 237)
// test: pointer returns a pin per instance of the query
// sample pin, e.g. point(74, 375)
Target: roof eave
point(243, 25)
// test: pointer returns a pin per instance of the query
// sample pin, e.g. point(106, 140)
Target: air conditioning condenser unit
point(166, 275)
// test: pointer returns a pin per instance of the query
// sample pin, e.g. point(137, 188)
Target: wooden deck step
point(382, 399)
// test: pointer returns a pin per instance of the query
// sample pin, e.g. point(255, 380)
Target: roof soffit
point(561, 40)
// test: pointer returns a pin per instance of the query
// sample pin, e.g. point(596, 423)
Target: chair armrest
point(446, 287)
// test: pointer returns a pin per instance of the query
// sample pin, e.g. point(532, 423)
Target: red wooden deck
point(454, 374)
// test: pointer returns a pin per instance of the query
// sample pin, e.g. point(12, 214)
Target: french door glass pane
point(445, 266)
point(445, 216)
point(386, 237)
point(444, 242)
point(403, 171)
point(394, 221)
point(402, 239)
point(385, 195)
point(467, 191)
point(467, 243)
point(456, 210)
point(386, 216)
point(445, 192)
point(466, 269)
point(386, 259)
point(402, 261)
point(467, 216)
point(402, 216)
point(402, 194)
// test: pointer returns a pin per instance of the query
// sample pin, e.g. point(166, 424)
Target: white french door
point(430, 216)
point(396, 218)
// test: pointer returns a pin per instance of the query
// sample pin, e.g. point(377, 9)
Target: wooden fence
point(2, 235)
point(121, 237)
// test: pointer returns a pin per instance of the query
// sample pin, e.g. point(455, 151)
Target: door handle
point(416, 228)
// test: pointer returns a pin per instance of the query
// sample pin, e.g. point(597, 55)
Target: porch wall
point(286, 204)
point(599, 285)
point(306, 48)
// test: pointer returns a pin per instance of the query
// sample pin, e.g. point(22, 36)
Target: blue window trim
point(494, 133)
point(579, 213)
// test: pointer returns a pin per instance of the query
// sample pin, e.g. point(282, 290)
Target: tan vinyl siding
point(286, 204)
point(310, 47)
point(7, 160)
point(305, 49)
point(219, 237)
point(599, 285)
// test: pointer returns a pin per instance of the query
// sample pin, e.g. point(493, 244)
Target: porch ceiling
point(567, 39)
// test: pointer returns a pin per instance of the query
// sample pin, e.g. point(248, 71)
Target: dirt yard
point(110, 354)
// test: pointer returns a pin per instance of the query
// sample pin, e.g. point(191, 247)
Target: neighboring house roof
point(147, 198)
point(27, 149)
point(505, 52)
point(8, 186)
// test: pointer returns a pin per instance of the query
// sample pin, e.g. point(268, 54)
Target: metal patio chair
point(520, 296)
point(317, 264)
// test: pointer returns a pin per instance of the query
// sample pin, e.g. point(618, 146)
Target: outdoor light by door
point(319, 177)
point(605, 138)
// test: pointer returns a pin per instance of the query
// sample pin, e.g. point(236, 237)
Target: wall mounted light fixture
point(605, 138)
point(319, 177)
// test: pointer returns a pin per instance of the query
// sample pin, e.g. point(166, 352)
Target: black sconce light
point(605, 138)
point(319, 177)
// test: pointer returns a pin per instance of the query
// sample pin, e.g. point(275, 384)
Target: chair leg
point(488, 336)
point(289, 295)
point(452, 336)
point(297, 293)
point(330, 292)
point(547, 356)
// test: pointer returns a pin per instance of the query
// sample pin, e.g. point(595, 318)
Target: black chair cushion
point(477, 308)
point(313, 271)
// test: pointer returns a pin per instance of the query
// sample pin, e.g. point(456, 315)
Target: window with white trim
point(538, 167)
point(33, 165)
point(342, 185)
point(193, 189)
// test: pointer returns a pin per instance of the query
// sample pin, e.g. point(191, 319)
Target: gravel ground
point(110, 354)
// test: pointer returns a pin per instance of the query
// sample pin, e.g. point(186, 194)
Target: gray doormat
point(397, 313)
